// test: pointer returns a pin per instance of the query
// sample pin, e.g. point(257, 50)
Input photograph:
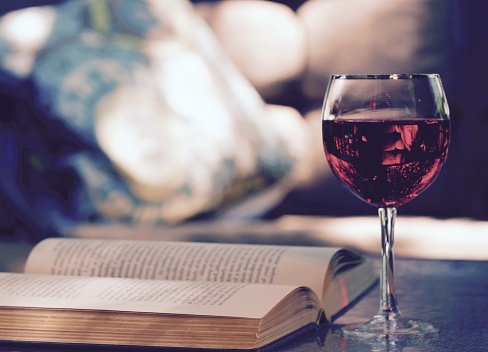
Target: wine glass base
point(397, 329)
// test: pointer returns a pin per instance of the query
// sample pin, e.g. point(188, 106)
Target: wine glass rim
point(384, 75)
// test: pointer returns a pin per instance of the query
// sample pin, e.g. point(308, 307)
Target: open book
point(176, 294)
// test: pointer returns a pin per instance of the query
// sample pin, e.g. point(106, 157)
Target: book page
point(154, 296)
point(263, 264)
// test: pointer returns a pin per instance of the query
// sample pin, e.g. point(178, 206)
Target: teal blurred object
point(127, 111)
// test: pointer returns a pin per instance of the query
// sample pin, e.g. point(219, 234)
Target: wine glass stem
point(388, 302)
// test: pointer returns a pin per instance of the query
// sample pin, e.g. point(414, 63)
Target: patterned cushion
point(127, 111)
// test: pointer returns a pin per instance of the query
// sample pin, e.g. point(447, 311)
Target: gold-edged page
point(126, 328)
point(294, 311)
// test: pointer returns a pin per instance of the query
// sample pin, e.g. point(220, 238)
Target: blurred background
point(172, 111)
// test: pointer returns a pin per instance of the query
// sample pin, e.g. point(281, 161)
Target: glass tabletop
point(452, 295)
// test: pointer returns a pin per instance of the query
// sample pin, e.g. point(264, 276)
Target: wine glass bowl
point(386, 138)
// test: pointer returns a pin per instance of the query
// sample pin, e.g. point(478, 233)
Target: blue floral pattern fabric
point(126, 111)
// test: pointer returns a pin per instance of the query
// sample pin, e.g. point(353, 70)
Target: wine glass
point(386, 138)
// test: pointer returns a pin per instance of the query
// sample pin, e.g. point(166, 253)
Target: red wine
point(386, 163)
